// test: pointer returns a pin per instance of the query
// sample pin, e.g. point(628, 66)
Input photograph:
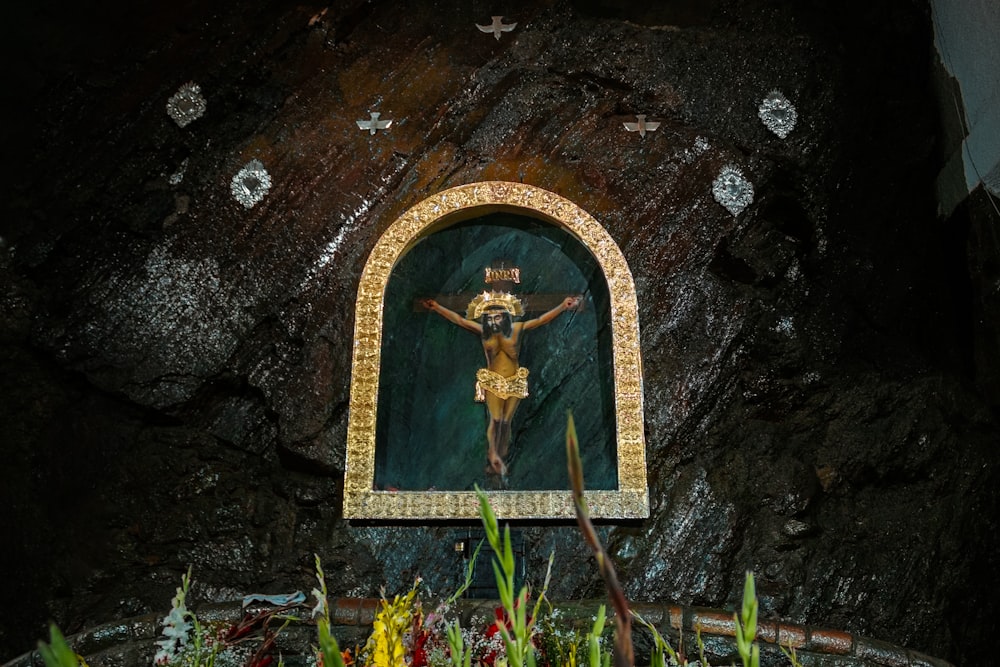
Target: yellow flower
point(385, 645)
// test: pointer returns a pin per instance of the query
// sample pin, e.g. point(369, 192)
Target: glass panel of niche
point(485, 314)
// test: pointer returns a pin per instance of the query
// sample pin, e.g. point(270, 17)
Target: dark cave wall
point(176, 366)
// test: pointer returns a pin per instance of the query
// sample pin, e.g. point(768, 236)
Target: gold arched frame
point(361, 501)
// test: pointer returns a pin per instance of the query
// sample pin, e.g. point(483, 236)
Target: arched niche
point(416, 439)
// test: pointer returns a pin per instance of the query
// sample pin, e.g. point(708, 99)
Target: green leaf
point(489, 519)
point(469, 570)
point(593, 639)
point(57, 653)
point(661, 649)
point(742, 645)
point(328, 645)
point(503, 588)
point(749, 612)
point(599, 622)
point(508, 552)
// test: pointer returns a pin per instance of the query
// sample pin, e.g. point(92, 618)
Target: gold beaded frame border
point(361, 501)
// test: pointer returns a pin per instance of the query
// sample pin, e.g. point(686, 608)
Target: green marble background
point(431, 434)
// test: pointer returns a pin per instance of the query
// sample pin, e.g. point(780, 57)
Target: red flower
point(345, 656)
point(501, 617)
point(419, 652)
point(494, 629)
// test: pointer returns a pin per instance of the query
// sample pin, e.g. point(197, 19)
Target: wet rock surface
point(820, 370)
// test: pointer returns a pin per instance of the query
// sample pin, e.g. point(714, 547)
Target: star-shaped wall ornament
point(497, 26)
point(642, 126)
point(373, 124)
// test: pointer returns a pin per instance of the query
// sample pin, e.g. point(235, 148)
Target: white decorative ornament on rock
point(373, 124)
point(778, 114)
point(732, 189)
point(496, 26)
point(187, 104)
point(251, 183)
point(641, 125)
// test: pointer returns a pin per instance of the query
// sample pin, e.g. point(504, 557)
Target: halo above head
point(490, 300)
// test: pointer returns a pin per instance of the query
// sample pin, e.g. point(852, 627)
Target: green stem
point(624, 655)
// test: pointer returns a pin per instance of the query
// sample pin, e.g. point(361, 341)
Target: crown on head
point(491, 300)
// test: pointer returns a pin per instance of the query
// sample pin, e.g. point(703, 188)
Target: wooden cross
point(501, 276)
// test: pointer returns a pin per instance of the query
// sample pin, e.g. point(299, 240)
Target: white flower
point(176, 629)
point(320, 603)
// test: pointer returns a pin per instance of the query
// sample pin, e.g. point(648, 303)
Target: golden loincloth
point(515, 386)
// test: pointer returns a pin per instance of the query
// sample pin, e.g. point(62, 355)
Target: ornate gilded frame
point(361, 501)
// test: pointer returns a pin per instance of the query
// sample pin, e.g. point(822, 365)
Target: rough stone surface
point(820, 370)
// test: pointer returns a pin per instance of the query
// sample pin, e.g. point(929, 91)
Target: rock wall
point(177, 365)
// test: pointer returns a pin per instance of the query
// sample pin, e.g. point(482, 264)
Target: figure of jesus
point(504, 382)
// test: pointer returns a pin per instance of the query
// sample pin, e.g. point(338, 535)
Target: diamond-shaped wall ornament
point(732, 189)
point(251, 183)
point(186, 104)
point(778, 114)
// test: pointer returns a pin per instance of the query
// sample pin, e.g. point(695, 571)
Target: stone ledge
point(130, 642)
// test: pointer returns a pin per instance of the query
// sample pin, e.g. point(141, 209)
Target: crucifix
point(490, 314)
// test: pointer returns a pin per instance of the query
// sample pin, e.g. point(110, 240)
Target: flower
point(393, 622)
point(495, 653)
point(176, 628)
point(419, 651)
point(320, 607)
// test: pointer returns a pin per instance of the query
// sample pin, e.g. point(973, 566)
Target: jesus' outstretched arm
point(452, 316)
point(569, 303)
